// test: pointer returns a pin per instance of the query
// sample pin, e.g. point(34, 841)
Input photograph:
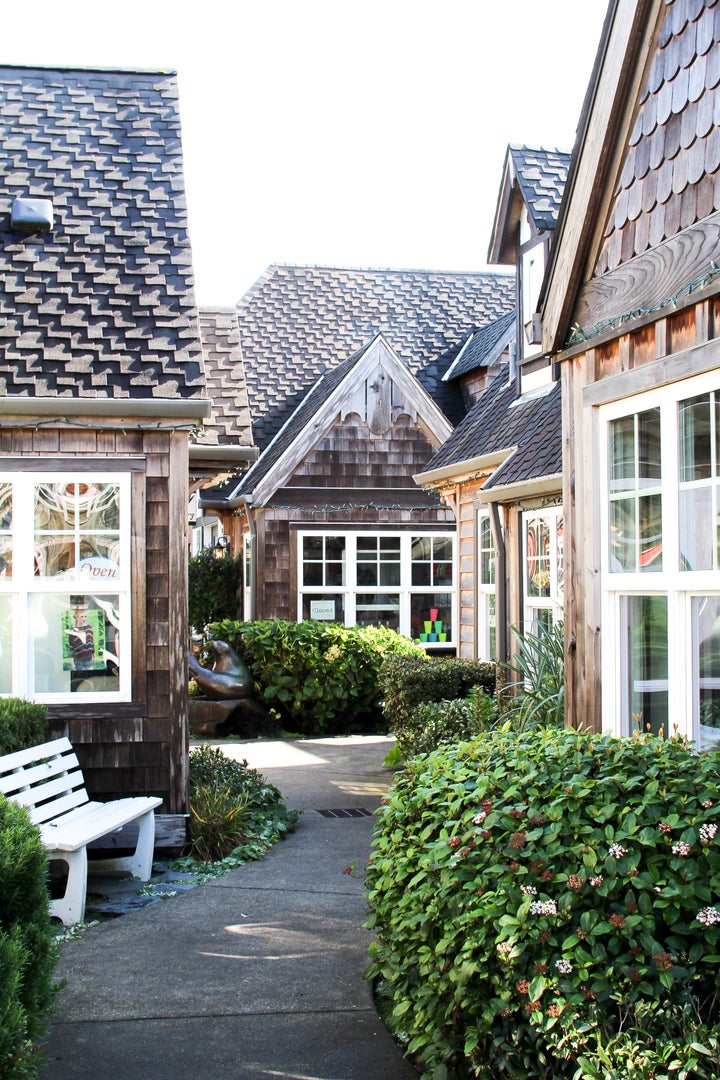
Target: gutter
point(462, 469)
point(227, 453)
point(147, 408)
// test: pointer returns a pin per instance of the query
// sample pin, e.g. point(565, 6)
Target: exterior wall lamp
point(222, 545)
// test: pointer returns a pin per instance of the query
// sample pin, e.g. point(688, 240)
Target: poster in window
point(83, 641)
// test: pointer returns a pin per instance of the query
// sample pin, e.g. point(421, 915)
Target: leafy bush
point(318, 677)
point(213, 586)
point(547, 904)
point(537, 694)
point(438, 722)
point(233, 810)
point(415, 679)
point(28, 951)
point(22, 723)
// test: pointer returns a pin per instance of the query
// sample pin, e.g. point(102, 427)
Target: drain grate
point(360, 811)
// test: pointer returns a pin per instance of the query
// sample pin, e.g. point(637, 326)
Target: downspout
point(500, 582)
point(246, 503)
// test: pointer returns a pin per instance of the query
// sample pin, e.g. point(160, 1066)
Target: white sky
point(333, 132)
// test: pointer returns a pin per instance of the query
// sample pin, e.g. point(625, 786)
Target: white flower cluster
point(707, 833)
point(543, 907)
point(597, 880)
point(529, 890)
point(479, 818)
point(709, 916)
point(563, 966)
point(681, 848)
point(617, 851)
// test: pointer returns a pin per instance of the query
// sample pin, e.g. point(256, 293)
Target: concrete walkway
point(256, 974)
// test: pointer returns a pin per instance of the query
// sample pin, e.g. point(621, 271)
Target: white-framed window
point(65, 586)
point(542, 568)
point(660, 560)
point(405, 581)
point(486, 589)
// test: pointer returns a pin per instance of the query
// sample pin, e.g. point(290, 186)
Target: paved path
point(256, 974)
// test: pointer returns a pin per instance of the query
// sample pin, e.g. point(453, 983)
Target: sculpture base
point(242, 717)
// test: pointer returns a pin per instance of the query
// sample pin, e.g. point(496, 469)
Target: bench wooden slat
point(21, 758)
point(93, 820)
point(52, 790)
point(52, 811)
point(30, 776)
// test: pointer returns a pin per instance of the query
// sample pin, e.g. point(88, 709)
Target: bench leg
point(139, 864)
point(70, 908)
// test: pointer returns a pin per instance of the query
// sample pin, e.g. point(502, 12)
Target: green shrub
point(319, 678)
point(28, 951)
point(534, 683)
point(233, 809)
point(415, 679)
point(213, 587)
point(547, 902)
point(438, 722)
point(22, 723)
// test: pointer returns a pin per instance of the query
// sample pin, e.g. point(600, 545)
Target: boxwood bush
point(22, 723)
point(547, 904)
point(28, 950)
point(319, 678)
point(415, 679)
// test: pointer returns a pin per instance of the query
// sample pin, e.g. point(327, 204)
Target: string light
point(579, 334)
point(344, 508)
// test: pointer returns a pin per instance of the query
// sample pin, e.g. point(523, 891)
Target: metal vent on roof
point(31, 215)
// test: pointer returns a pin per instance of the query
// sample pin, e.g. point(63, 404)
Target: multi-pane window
point(661, 567)
point(400, 580)
point(64, 586)
point(543, 562)
point(487, 563)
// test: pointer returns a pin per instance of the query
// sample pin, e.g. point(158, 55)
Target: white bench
point(48, 780)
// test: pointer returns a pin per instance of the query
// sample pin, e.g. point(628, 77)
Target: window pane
point(538, 557)
point(77, 530)
point(76, 642)
point(421, 548)
point(488, 554)
point(647, 664)
point(6, 530)
point(326, 608)
point(706, 643)
point(697, 532)
point(430, 617)
point(6, 643)
point(695, 439)
point(649, 445)
point(622, 453)
point(650, 510)
point(378, 609)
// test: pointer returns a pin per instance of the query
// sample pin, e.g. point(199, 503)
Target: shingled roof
point(103, 304)
point(230, 422)
point(298, 321)
point(541, 175)
point(534, 178)
point(528, 427)
point(482, 348)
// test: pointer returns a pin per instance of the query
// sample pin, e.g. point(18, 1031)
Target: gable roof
point(102, 306)
point(533, 178)
point(298, 321)
point(518, 440)
point(483, 348)
point(317, 410)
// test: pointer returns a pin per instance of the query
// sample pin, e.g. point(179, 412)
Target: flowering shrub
point(547, 904)
point(213, 588)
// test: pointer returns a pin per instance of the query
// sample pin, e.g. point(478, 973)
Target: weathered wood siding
point(136, 747)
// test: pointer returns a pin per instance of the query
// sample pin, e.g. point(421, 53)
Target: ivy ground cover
point(547, 904)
